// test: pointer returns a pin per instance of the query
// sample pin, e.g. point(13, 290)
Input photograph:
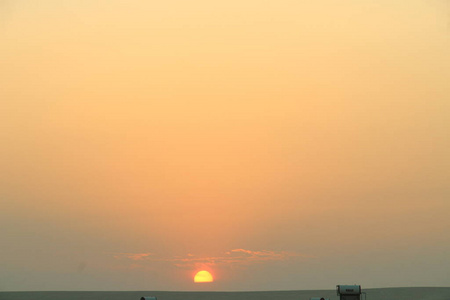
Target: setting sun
point(203, 276)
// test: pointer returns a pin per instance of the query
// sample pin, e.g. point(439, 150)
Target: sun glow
point(203, 276)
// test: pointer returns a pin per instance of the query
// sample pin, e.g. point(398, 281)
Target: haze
point(277, 144)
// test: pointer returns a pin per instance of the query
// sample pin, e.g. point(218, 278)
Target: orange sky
point(278, 144)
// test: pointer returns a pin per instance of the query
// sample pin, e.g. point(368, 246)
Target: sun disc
point(203, 276)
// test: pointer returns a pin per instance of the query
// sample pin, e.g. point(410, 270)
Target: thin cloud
point(133, 256)
point(234, 258)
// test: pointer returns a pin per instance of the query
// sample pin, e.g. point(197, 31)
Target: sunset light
point(238, 145)
point(203, 276)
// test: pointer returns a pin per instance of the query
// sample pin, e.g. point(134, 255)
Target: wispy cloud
point(133, 256)
point(233, 258)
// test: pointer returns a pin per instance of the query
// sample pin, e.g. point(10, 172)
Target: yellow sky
point(300, 135)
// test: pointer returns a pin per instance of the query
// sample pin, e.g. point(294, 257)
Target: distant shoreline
point(392, 293)
point(232, 291)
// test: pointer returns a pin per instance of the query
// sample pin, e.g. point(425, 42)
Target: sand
point(419, 293)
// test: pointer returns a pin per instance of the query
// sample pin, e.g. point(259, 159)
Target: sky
point(279, 145)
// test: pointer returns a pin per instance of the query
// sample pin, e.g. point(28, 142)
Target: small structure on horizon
point(349, 292)
point(149, 298)
point(318, 298)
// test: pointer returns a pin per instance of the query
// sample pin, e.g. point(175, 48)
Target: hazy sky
point(278, 144)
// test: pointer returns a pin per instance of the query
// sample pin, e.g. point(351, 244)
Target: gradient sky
point(277, 144)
